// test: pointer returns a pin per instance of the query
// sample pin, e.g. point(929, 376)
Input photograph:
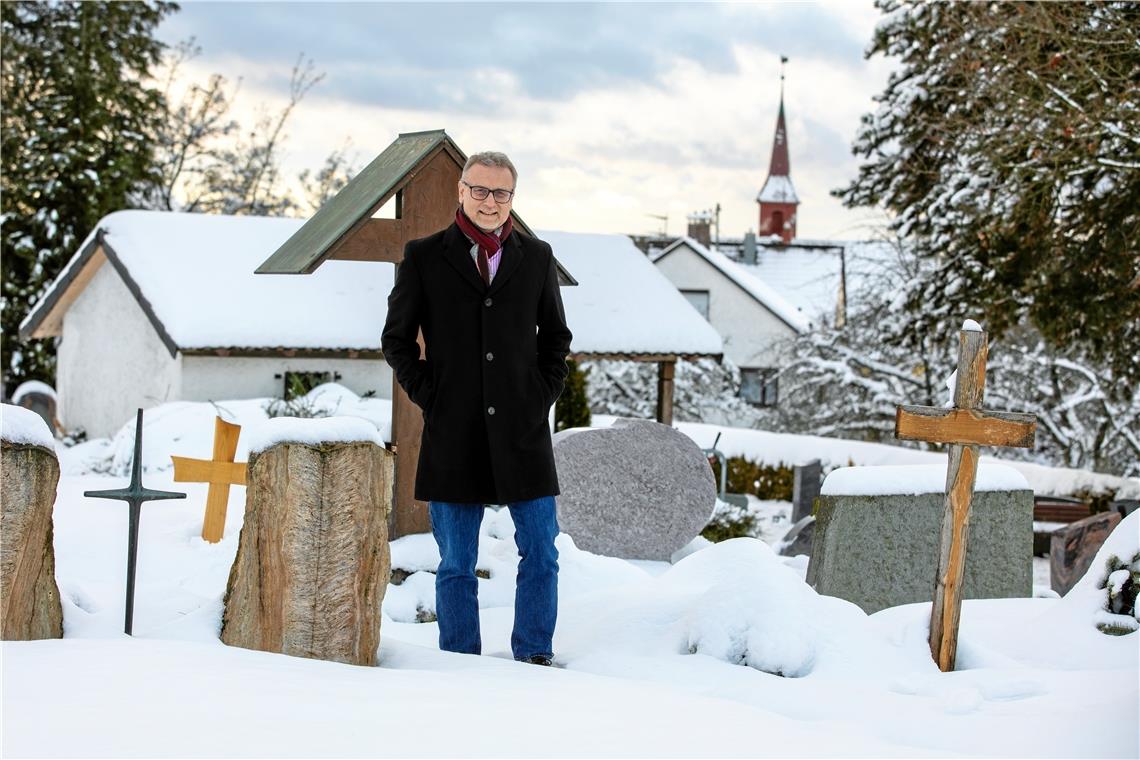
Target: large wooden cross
point(965, 426)
point(221, 472)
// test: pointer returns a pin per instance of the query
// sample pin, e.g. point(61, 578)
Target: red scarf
point(488, 243)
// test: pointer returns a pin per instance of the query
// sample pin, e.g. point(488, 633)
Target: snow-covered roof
point(195, 274)
point(747, 280)
point(622, 303)
point(778, 189)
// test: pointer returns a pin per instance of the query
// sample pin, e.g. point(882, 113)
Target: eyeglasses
point(480, 193)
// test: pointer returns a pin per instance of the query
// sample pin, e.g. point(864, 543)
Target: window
point(699, 299)
point(758, 385)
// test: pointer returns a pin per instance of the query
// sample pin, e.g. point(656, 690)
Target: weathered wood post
point(965, 426)
point(29, 473)
point(313, 558)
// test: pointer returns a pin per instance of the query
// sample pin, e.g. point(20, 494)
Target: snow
point(971, 326)
point(915, 479)
point(778, 189)
point(622, 304)
point(758, 289)
point(726, 652)
point(180, 260)
point(23, 426)
point(795, 449)
point(311, 432)
point(32, 386)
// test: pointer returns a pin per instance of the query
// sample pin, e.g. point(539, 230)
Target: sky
point(614, 113)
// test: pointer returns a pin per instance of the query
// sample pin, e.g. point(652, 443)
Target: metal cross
point(134, 495)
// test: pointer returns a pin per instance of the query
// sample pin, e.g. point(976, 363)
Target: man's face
point(487, 214)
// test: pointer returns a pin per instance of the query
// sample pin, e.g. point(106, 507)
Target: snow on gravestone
point(313, 558)
point(29, 472)
point(877, 531)
point(635, 490)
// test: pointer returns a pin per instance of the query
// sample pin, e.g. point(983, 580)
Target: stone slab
point(636, 490)
point(882, 551)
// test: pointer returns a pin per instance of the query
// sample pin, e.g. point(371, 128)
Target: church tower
point(777, 199)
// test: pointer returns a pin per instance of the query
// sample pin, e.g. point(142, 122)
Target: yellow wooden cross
point(220, 472)
point(965, 427)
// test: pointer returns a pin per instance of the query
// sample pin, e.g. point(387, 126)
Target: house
point(162, 306)
point(754, 319)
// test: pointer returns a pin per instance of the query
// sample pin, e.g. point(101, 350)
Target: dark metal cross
point(134, 495)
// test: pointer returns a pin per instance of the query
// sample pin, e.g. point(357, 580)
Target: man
point(486, 297)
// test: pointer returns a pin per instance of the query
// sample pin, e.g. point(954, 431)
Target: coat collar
point(457, 252)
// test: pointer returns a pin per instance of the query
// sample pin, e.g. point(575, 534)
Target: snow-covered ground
point(726, 652)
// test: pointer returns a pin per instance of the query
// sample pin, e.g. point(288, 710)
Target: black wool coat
point(495, 361)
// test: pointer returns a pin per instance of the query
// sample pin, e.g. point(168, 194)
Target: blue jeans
point(456, 530)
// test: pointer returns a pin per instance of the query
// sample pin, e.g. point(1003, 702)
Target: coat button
point(487, 302)
point(490, 356)
point(490, 410)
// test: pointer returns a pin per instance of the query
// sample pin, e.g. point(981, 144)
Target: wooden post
point(964, 427)
point(220, 471)
point(409, 515)
point(665, 391)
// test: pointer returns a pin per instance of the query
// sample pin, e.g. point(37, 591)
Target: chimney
point(700, 227)
point(749, 254)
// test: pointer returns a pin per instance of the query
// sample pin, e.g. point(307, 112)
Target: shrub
point(769, 482)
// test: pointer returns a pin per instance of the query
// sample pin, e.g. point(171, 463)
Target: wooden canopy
point(420, 170)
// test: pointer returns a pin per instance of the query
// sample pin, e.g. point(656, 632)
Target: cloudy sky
point(613, 113)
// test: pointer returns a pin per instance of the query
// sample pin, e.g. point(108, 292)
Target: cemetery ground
point(723, 652)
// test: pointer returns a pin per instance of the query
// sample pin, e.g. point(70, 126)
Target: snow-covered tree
point(1007, 146)
point(75, 129)
point(846, 382)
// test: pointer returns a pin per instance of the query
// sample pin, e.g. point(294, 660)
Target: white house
point(773, 292)
point(164, 306)
point(754, 319)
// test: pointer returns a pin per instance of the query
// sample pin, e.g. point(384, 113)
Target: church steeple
point(777, 199)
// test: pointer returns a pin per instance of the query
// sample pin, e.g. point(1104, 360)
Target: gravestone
point(636, 490)
point(40, 398)
point(877, 535)
point(1075, 546)
point(798, 539)
point(313, 559)
point(29, 473)
point(805, 488)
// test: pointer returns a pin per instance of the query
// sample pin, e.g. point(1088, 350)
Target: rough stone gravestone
point(636, 490)
point(805, 488)
point(29, 472)
point(313, 559)
point(877, 535)
point(1074, 547)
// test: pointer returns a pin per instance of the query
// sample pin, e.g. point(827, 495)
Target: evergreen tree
point(573, 407)
point(74, 123)
point(1007, 146)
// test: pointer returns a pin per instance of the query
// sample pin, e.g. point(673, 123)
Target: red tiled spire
point(780, 166)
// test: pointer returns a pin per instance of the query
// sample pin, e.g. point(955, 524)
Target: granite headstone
point(636, 490)
point(877, 531)
point(805, 489)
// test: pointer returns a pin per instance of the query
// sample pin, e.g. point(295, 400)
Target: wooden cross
point(220, 472)
point(965, 427)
